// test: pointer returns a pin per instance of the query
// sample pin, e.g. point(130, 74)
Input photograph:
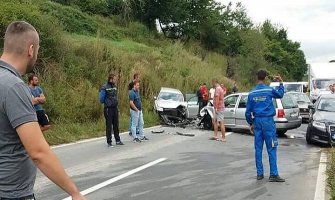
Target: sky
point(309, 22)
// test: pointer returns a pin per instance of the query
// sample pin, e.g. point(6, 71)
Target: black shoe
point(260, 177)
point(276, 179)
point(110, 145)
point(144, 138)
point(136, 140)
point(130, 134)
point(119, 143)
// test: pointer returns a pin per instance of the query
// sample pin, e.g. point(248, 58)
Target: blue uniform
point(259, 113)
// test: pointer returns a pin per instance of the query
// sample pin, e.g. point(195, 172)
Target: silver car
point(172, 108)
point(287, 113)
point(303, 103)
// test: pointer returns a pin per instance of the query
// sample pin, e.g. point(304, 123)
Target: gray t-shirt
point(17, 170)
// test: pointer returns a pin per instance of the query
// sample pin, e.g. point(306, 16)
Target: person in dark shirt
point(136, 114)
point(136, 77)
point(38, 100)
point(108, 97)
point(22, 143)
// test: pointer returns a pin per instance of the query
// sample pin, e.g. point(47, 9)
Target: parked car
point(287, 113)
point(303, 103)
point(172, 107)
point(321, 127)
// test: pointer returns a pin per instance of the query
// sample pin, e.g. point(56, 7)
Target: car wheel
point(308, 137)
point(281, 133)
point(208, 125)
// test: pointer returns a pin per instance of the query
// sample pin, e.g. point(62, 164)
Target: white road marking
point(94, 139)
point(320, 190)
point(113, 180)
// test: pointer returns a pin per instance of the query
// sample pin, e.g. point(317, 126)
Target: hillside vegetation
point(82, 41)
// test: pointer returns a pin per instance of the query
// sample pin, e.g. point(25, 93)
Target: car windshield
point(323, 84)
point(327, 104)
point(293, 87)
point(288, 102)
point(300, 97)
point(171, 96)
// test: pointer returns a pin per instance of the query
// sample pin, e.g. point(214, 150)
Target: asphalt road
point(195, 168)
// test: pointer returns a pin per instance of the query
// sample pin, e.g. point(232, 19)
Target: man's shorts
point(30, 197)
point(219, 116)
point(42, 118)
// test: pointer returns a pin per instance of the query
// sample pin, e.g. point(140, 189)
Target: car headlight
point(319, 125)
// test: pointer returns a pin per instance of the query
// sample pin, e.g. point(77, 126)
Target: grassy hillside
point(79, 50)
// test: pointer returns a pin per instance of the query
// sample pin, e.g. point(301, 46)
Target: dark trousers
point(30, 197)
point(112, 119)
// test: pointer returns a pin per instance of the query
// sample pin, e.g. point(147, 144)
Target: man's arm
point(279, 93)
point(132, 105)
point(38, 149)
point(41, 99)
point(102, 95)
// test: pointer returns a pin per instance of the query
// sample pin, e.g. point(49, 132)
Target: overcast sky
point(310, 22)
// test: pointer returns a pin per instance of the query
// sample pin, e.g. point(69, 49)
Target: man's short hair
point(110, 76)
point(136, 75)
point(261, 75)
point(18, 34)
point(31, 77)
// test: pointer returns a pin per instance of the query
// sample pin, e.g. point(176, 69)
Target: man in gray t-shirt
point(22, 144)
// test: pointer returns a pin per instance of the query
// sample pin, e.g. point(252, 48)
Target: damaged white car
point(172, 108)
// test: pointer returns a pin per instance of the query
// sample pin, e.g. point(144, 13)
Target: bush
point(49, 28)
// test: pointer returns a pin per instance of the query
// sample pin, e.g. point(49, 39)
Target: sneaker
point(260, 177)
point(276, 179)
point(119, 143)
point(110, 145)
point(136, 140)
point(144, 138)
point(130, 134)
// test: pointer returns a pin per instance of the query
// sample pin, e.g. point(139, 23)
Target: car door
point(229, 112)
point(241, 122)
point(192, 105)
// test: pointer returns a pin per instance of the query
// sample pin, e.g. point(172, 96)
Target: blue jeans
point(129, 127)
point(137, 123)
point(265, 130)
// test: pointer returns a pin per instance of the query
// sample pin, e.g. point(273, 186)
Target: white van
point(292, 86)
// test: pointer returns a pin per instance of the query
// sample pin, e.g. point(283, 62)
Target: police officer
point(108, 97)
point(259, 114)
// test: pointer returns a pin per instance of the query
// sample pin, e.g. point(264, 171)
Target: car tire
point(208, 124)
point(308, 137)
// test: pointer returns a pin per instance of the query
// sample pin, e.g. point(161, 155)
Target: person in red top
point(204, 92)
point(218, 111)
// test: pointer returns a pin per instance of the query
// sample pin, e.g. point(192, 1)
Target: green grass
point(79, 50)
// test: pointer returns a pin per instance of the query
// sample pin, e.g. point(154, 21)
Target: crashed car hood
point(169, 104)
